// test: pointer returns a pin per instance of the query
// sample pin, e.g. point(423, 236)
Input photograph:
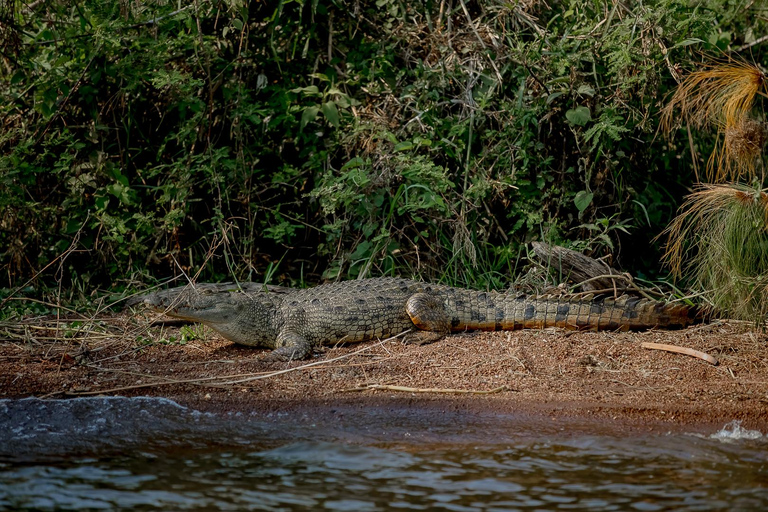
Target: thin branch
point(680, 350)
point(533, 75)
point(404, 389)
point(628, 279)
point(309, 365)
point(49, 305)
point(760, 40)
point(64, 255)
point(67, 97)
point(155, 20)
point(482, 43)
point(220, 380)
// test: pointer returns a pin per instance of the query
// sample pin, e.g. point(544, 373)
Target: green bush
point(297, 141)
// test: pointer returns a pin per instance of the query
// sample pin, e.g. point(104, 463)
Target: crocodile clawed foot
point(273, 357)
point(289, 353)
point(422, 338)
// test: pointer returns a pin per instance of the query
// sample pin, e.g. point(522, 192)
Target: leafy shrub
point(306, 140)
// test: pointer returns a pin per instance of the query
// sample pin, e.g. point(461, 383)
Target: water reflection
point(527, 470)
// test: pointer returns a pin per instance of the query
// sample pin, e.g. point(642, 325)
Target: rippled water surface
point(154, 454)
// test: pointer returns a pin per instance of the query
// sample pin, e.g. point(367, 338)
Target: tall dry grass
point(719, 241)
point(722, 96)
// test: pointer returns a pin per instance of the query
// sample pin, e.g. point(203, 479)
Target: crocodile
point(293, 322)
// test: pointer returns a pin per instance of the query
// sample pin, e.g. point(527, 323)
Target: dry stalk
point(680, 350)
point(226, 380)
point(743, 145)
point(405, 389)
point(722, 96)
point(719, 96)
point(309, 365)
point(631, 286)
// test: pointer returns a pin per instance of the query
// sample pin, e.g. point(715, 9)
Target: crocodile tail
point(632, 313)
point(496, 312)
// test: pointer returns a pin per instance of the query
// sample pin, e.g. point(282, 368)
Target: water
point(119, 453)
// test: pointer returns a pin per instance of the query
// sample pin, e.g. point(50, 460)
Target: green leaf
point(74, 225)
point(621, 228)
point(311, 90)
point(605, 238)
point(552, 97)
point(585, 90)
point(582, 200)
point(101, 203)
point(404, 145)
point(579, 116)
point(309, 115)
point(120, 177)
point(331, 113)
point(363, 250)
point(689, 42)
point(353, 163)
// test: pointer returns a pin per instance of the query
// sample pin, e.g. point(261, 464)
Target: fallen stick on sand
point(680, 350)
point(222, 380)
point(387, 387)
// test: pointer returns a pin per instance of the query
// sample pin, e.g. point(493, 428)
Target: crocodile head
point(197, 305)
point(244, 318)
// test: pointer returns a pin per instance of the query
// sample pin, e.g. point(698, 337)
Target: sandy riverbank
point(542, 372)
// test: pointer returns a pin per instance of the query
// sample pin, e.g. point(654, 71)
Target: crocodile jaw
point(209, 309)
point(238, 317)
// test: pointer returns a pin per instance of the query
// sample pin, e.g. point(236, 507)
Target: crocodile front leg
point(292, 342)
point(290, 346)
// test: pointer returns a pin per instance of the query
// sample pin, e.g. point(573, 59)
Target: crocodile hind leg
point(427, 314)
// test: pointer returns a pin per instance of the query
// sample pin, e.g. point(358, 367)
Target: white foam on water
point(733, 431)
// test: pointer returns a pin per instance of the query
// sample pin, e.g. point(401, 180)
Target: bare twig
point(760, 40)
point(60, 257)
point(154, 21)
point(405, 389)
point(482, 43)
point(221, 380)
point(47, 304)
point(64, 102)
point(533, 75)
point(309, 365)
point(135, 386)
point(625, 277)
point(680, 350)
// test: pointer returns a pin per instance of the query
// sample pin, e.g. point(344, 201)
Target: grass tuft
point(743, 147)
point(719, 241)
point(722, 96)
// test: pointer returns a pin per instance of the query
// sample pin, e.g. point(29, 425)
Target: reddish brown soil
point(551, 372)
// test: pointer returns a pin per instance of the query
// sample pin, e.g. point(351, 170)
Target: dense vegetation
point(297, 141)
